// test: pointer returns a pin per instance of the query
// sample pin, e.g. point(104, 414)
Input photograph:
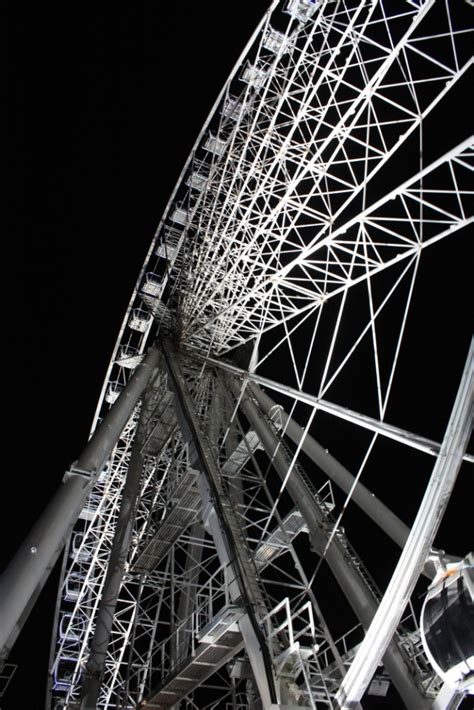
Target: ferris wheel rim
point(180, 182)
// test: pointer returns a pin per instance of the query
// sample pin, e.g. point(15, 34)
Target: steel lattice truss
point(289, 251)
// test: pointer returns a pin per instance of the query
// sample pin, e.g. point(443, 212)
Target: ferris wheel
point(292, 316)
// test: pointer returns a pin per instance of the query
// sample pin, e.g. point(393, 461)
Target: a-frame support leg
point(221, 522)
point(28, 571)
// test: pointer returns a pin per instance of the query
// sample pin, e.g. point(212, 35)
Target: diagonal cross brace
point(224, 529)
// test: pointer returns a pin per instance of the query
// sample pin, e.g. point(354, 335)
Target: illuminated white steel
point(317, 292)
point(391, 432)
point(324, 106)
point(418, 545)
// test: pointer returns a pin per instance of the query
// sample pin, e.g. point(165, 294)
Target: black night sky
point(105, 104)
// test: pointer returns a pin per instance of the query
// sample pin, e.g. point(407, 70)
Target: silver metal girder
point(220, 520)
point(188, 505)
point(26, 574)
point(173, 525)
point(118, 557)
point(241, 454)
point(418, 544)
point(188, 592)
point(162, 423)
point(408, 438)
point(365, 499)
point(206, 659)
point(354, 585)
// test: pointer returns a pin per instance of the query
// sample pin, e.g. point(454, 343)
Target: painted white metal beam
point(416, 550)
point(218, 518)
point(26, 574)
point(408, 438)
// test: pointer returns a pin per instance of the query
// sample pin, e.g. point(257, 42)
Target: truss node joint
point(82, 473)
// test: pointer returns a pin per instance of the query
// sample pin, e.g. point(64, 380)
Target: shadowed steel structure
point(212, 563)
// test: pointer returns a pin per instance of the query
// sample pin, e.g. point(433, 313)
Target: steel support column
point(26, 574)
point(405, 437)
point(187, 598)
point(356, 591)
point(118, 556)
point(365, 499)
point(219, 519)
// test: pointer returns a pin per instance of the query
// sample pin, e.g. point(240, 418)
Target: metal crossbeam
point(418, 545)
point(281, 239)
point(226, 532)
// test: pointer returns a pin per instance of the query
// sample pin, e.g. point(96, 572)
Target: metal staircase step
point(187, 503)
point(206, 660)
point(163, 423)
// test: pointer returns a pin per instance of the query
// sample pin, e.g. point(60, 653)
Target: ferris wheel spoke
point(412, 265)
point(427, 110)
point(293, 182)
point(289, 257)
point(375, 220)
point(362, 420)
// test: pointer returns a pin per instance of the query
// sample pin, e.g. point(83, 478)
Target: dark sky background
point(105, 106)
